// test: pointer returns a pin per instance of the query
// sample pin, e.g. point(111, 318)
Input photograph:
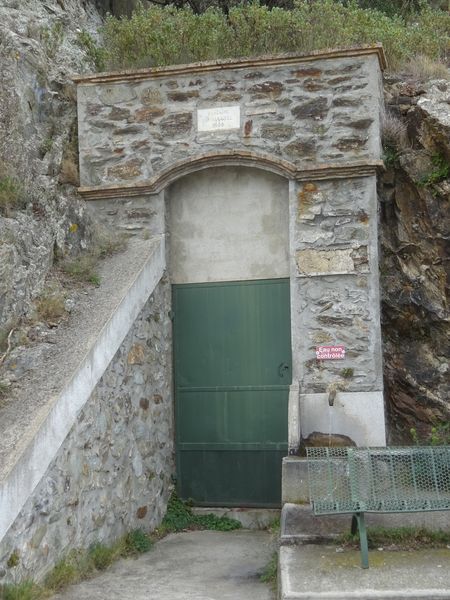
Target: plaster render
point(228, 224)
point(358, 415)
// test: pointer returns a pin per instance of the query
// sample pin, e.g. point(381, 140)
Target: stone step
point(313, 566)
point(250, 518)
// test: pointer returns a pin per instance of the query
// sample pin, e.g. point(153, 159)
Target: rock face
point(415, 225)
point(316, 439)
point(38, 143)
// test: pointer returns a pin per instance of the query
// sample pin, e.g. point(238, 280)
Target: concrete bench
point(378, 480)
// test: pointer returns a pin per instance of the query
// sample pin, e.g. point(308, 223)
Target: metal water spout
point(331, 396)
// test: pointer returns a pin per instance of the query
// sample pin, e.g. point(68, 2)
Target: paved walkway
point(198, 565)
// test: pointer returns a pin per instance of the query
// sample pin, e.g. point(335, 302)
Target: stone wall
point(307, 112)
point(335, 248)
point(113, 472)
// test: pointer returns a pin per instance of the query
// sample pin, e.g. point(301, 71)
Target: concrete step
point(298, 523)
point(312, 566)
point(315, 572)
point(250, 518)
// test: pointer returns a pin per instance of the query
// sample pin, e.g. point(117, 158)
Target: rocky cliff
point(40, 214)
point(415, 228)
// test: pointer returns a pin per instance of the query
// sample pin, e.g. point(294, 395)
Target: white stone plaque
point(218, 119)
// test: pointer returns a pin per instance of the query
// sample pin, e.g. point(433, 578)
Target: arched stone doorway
point(314, 120)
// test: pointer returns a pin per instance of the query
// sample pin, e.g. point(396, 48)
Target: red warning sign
point(330, 352)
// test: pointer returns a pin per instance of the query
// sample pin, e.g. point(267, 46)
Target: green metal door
point(232, 358)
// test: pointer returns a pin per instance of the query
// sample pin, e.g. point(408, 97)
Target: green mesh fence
point(349, 480)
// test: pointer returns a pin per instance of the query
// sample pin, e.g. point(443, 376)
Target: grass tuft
point(50, 306)
point(440, 171)
point(424, 68)
point(138, 542)
point(79, 565)
point(400, 538)
point(23, 591)
point(83, 267)
point(63, 574)
point(103, 556)
point(270, 573)
point(11, 196)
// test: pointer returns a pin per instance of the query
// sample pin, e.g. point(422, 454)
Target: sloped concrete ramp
point(196, 565)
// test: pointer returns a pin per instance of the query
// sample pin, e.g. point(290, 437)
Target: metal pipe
point(331, 397)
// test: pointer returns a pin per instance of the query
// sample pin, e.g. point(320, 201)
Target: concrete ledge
point(231, 158)
point(42, 425)
point(231, 63)
point(294, 480)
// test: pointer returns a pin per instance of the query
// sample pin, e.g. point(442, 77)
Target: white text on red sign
point(330, 352)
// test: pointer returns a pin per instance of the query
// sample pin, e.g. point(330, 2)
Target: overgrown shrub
point(180, 517)
point(50, 306)
point(167, 35)
point(138, 542)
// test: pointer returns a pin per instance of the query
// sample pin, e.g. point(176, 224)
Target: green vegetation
point(439, 435)
point(52, 38)
point(138, 542)
point(95, 53)
point(81, 564)
point(439, 172)
point(77, 565)
point(102, 556)
point(270, 573)
point(163, 35)
point(10, 194)
point(4, 389)
point(83, 267)
point(24, 591)
point(65, 572)
point(13, 560)
point(347, 373)
point(400, 538)
point(180, 517)
point(390, 157)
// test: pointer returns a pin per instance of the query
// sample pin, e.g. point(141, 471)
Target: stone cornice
point(231, 158)
point(227, 64)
